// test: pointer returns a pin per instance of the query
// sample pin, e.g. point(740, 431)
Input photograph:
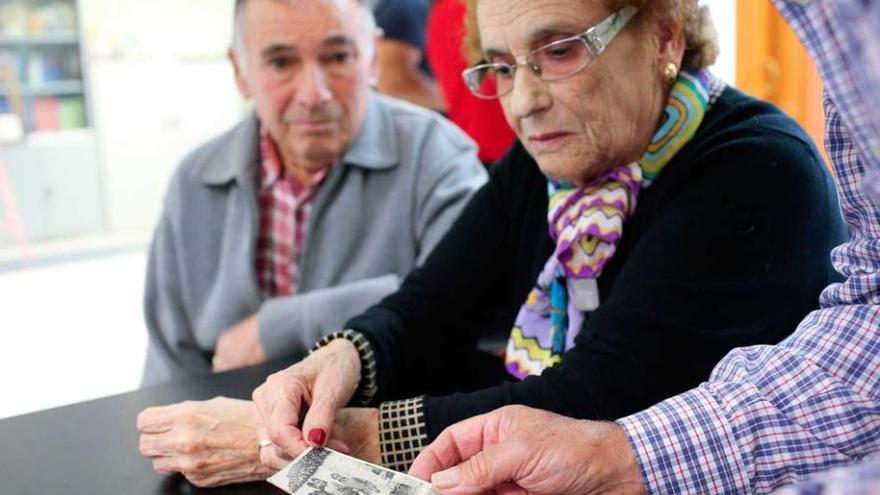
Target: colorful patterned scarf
point(587, 223)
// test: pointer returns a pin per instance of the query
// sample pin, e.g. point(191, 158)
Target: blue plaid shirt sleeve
point(770, 415)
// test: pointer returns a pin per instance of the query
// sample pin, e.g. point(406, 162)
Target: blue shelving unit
point(40, 42)
point(55, 171)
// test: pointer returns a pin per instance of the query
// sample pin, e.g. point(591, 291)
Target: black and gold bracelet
point(367, 387)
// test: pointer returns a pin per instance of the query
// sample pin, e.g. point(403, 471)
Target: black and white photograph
point(326, 472)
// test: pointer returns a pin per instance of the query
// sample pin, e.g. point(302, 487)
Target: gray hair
point(368, 25)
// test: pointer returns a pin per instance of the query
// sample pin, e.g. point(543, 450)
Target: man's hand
point(211, 443)
point(298, 407)
point(520, 450)
point(239, 346)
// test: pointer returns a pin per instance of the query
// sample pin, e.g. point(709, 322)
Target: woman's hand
point(520, 450)
point(358, 429)
point(211, 443)
point(321, 384)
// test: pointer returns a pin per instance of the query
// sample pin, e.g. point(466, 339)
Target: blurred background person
point(403, 68)
point(482, 119)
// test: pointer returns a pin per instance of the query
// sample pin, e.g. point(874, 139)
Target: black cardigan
point(729, 247)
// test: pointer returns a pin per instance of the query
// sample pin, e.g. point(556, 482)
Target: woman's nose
point(529, 94)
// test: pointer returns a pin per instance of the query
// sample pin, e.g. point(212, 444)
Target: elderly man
point(769, 415)
point(305, 213)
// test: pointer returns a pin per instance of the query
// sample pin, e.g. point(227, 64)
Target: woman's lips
point(548, 141)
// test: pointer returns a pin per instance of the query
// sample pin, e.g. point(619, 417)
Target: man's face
point(307, 64)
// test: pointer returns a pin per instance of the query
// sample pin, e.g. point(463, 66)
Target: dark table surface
point(92, 448)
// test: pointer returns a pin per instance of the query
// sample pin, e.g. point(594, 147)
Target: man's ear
point(374, 63)
point(239, 69)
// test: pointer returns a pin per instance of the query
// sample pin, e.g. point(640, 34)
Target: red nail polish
point(317, 436)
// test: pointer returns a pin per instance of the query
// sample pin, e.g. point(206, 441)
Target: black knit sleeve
point(422, 334)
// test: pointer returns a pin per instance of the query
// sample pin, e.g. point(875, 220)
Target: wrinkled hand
point(322, 383)
point(356, 431)
point(239, 346)
point(211, 443)
point(521, 450)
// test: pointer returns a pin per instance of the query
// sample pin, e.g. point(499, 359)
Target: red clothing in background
point(482, 120)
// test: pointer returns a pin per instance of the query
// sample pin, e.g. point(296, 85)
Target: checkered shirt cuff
point(686, 445)
point(368, 386)
point(402, 433)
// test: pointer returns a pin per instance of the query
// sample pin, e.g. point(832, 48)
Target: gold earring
point(671, 72)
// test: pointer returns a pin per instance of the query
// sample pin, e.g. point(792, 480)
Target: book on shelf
point(21, 19)
point(48, 66)
point(53, 113)
point(72, 113)
point(55, 17)
point(46, 113)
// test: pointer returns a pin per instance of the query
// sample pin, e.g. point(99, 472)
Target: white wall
point(148, 115)
point(160, 85)
point(724, 16)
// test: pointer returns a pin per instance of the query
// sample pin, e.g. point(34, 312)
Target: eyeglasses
point(551, 62)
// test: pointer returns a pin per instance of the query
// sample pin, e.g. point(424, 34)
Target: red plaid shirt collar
point(285, 207)
point(272, 168)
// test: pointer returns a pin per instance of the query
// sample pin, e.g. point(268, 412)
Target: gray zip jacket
point(377, 215)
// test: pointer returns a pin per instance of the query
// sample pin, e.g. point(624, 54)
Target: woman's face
point(599, 118)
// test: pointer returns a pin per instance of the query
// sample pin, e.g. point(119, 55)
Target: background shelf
point(39, 39)
point(41, 48)
point(70, 87)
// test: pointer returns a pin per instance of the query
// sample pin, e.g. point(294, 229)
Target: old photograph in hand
point(324, 471)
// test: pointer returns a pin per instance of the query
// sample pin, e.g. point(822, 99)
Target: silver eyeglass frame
point(597, 39)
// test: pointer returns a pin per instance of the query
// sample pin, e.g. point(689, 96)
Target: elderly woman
point(648, 220)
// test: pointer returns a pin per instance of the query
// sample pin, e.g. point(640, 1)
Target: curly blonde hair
point(701, 39)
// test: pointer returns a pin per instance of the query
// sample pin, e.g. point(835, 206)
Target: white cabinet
point(55, 179)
